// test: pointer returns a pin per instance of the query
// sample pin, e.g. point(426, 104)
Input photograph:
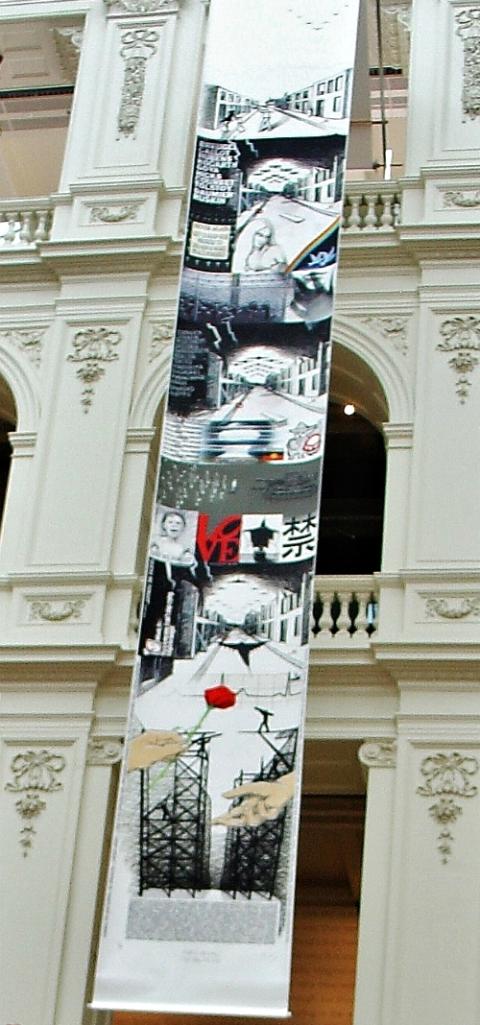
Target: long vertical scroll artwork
point(200, 902)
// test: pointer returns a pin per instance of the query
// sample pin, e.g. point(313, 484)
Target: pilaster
point(378, 758)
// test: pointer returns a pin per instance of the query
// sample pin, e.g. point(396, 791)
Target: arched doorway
point(353, 486)
point(8, 419)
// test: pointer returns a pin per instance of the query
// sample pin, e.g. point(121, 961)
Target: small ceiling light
point(349, 409)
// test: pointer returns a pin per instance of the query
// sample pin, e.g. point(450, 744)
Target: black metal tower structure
point(252, 853)
point(175, 828)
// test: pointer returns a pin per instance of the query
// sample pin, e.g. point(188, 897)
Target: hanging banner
point(200, 899)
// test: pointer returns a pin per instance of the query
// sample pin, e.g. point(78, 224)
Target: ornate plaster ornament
point(115, 213)
point(138, 45)
point(68, 43)
point(394, 329)
point(56, 611)
point(162, 335)
point(378, 754)
point(35, 773)
point(467, 200)
point(458, 607)
point(468, 28)
point(447, 776)
point(461, 336)
point(140, 6)
point(104, 751)
point(28, 340)
point(93, 347)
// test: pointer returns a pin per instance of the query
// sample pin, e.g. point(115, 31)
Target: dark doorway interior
point(5, 454)
point(353, 489)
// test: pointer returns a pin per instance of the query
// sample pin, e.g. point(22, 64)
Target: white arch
point(20, 377)
point(392, 376)
point(151, 392)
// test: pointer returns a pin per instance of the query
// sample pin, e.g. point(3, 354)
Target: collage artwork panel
point(205, 840)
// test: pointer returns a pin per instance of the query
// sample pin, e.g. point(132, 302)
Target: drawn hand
point(263, 801)
point(154, 746)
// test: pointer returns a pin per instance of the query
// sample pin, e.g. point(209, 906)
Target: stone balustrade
point(24, 222)
point(368, 207)
point(344, 610)
point(371, 206)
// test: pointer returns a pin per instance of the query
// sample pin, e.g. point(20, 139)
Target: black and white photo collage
point(225, 620)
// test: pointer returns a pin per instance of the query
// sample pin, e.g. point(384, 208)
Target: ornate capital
point(35, 773)
point(447, 776)
point(378, 754)
point(104, 751)
point(461, 336)
point(93, 347)
point(468, 28)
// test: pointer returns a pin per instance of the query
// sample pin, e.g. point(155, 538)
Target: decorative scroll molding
point(378, 754)
point(162, 335)
point(469, 200)
point(138, 45)
point(34, 773)
point(140, 6)
point(29, 341)
point(93, 346)
point(457, 607)
point(104, 751)
point(461, 335)
point(468, 28)
point(394, 329)
point(115, 213)
point(56, 611)
point(447, 776)
point(68, 43)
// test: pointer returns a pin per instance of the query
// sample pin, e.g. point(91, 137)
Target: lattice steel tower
point(175, 829)
point(252, 853)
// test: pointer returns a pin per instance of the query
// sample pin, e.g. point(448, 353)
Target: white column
point(44, 732)
point(433, 944)
point(378, 757)
point(89, 866)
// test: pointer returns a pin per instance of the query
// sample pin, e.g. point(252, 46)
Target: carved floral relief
point(35, 774)
point(468, 28)
point(461, 337)
point(446, 777)
point(93, 347)
point(138, 45)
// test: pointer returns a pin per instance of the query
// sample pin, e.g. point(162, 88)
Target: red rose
point(220, 697)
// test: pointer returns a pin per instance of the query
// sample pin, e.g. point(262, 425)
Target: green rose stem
point(159, 775)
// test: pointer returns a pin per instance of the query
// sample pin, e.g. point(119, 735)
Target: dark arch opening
point(7, 424)
point(353, 491)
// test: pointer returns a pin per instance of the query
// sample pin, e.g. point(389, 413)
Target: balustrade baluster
point(371, 214)
point(386, 220)
point(343, 621)
point(25, 234)
point(361, 619)
point(41, 233)
point(11, 233)
point(355, 218)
